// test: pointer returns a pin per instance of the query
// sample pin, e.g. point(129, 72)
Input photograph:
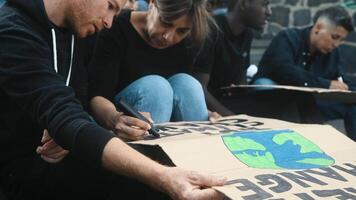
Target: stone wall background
point(299, 13)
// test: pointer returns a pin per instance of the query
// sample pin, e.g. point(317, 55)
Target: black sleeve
point(27, 78)
point(105, 64)
point(278, 63)
point(83, 52)
point(348, 80)
point(220, 61)
point(345, 76)
point(206, 56)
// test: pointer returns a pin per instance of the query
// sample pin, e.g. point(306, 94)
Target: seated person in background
point(225, 58)
point(144, 59)
point(309, 57)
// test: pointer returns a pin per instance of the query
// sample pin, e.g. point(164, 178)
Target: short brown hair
point(171, 10)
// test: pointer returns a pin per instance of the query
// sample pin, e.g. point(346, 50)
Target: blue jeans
point(142, 5)
point(264, 81)
point(178, 98)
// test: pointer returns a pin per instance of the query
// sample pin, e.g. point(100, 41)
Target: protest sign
point(265, 158)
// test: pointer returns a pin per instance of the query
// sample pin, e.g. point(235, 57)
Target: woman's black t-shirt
point(122, 56)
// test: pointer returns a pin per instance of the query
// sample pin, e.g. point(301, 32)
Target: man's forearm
point(122, 159)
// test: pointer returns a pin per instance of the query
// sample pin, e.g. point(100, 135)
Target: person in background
point(309, 57)
point(145, 60)
point(224, 60)
point(138, 5)
point(36, 55)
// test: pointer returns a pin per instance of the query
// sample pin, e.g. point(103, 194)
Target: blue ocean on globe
point(276, 149)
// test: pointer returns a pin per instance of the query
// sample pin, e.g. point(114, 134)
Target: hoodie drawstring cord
point(54, 41)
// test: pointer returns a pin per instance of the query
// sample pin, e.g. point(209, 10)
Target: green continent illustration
point(276, 149)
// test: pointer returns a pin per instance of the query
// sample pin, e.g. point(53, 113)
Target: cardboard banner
point(320, 93)
point(265, 158)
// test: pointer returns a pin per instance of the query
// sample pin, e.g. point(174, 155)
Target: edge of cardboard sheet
point(320, 93)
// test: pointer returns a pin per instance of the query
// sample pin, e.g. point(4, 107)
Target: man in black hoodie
point(36, 58)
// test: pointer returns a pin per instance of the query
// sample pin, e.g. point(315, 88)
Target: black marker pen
point(128, 110)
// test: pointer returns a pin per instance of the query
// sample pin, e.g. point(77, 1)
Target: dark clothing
point(34, 179)
point(225, 57)
point(288, 61)
point(33, 96)
point(122, 56)
point(334, 110)
point(83, 49)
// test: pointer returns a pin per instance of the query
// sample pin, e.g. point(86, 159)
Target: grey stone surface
point(280, 15)
point(272, 30)
point(316, 3)
point(292, 2)
point(302, 17)
point(276, 1)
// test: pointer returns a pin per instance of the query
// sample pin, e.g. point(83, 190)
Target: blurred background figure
point(138, 5)
point(225, 58)
point(310, 57)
